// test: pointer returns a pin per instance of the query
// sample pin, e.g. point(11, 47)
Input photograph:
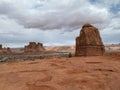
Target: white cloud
point(111, 32)
point(69, 14)
point(22, 21)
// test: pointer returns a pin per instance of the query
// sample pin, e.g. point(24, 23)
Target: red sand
point(77, 73)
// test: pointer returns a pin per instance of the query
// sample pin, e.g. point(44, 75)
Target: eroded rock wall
point(34, 48)
point(89, 42)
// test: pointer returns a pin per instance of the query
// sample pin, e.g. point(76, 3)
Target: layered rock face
point(4, 51)
point(89, 42)
point(34, 48)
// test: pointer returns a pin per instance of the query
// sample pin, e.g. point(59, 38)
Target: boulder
point(89, 42)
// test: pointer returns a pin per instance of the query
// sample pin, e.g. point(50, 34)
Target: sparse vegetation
point(19, 57)
point(70, 55)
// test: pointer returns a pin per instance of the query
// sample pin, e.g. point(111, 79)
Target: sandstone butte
point(89, 42)
point(5, 50)
point(34, 48)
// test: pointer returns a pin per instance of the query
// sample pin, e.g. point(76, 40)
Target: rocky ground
point(76, 73)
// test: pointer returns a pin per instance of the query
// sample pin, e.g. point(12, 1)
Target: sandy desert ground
point(76, 73)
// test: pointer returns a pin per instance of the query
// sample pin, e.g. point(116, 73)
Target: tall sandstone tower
point(89, 42)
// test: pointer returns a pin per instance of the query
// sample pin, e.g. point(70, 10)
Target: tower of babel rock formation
point(34, 48)
point(5, 50)
point(89, 42)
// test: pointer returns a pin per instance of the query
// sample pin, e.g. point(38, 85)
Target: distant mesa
point(4, 51)
point(89, 42)
point(34, 48)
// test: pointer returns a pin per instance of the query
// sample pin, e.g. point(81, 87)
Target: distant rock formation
point(89, 43)
point(34, 48)
point(0, 47)
point(4, 51)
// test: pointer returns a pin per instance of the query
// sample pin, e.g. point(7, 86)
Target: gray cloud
point(68, 15)
point(54, 22)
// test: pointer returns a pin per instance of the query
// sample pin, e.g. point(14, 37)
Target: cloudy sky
point(56, 22)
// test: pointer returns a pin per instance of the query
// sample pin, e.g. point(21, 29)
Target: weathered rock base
point(89, 51)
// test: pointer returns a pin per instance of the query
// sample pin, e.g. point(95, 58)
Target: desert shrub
point(69, 55)
point(4, 59)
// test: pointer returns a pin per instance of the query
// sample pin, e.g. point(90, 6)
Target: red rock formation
point(34, 48)
point(89, 43)
point(0, 47)
point(5, 50)
point(9, 50)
